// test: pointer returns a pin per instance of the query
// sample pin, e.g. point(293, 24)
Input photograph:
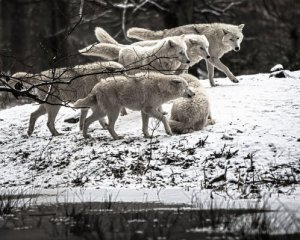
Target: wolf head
point(178, 49)
point(197, 47)
point(178, 87)
point(233, 37)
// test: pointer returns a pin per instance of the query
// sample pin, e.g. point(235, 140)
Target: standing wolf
point(222, 38)
point(68, 85)
point(143, 92)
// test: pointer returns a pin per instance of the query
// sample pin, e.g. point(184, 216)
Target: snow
point(277, 67)
point(255, 141)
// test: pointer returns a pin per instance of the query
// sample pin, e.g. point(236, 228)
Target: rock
point(278, 74)
point(226, 137)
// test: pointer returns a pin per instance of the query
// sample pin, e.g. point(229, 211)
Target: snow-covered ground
point(253, 149)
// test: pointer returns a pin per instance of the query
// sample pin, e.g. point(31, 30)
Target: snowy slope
point(257, 120)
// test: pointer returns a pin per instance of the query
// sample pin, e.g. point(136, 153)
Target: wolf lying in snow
point(164, 55)
point(191, 114)
point(222, 38)
point(197, 47)
point(143, 92)
point(73, 84)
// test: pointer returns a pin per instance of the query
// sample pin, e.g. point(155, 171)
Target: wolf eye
point(237, 38)
point(231, 40)
point(181, 53)
point(201, 48)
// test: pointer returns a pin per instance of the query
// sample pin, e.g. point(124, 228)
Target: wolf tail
point(104, 37)
point(144, 34)
point(107, 51)
point(86, 102)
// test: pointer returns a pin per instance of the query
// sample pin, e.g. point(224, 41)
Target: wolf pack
point(141, 76)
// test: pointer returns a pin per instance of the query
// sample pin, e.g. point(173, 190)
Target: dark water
point(140, 221)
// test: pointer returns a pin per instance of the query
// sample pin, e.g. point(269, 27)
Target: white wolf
point(73, 84)
point(164, 55)
point(222, 38)
point(191, 114)
point(197, 47)
point(143, 92)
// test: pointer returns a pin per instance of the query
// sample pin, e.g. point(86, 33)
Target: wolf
point(163, 55)
point(73, 84)
point(222, 38)
point(188, 115)
point(197, 47)
point(143, 92)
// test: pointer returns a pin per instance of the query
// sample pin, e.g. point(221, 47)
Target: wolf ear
point(241, 26)
point(171, 43)
point(225, 31)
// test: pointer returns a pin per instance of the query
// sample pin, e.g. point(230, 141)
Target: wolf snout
point(207, 56)
point(189, 93)
point(188, 61)
point(237, 49)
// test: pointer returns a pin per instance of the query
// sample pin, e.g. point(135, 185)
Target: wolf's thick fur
point(143, 92)
point(191, 114)
point(197, 47)
point(222, 38)
point(76, 87)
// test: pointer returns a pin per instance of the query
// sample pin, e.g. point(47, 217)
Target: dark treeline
point(40, 34)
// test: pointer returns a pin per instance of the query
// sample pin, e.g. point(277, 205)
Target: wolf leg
point(145, 119)
point(94, 117)
point(34, 116)
point(112, 118)
point(103, 123)
point(158, 115)
point(210, 120)
point(217, 63)
point(123, 112)
point(52, 111)
point(211, 71)
point(82, 118)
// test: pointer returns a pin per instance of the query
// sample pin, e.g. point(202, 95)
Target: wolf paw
point(235, 80)
point(169, 132)
point(189, 130)
point(118, 137)
point(86, 136)
point(55, 134)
